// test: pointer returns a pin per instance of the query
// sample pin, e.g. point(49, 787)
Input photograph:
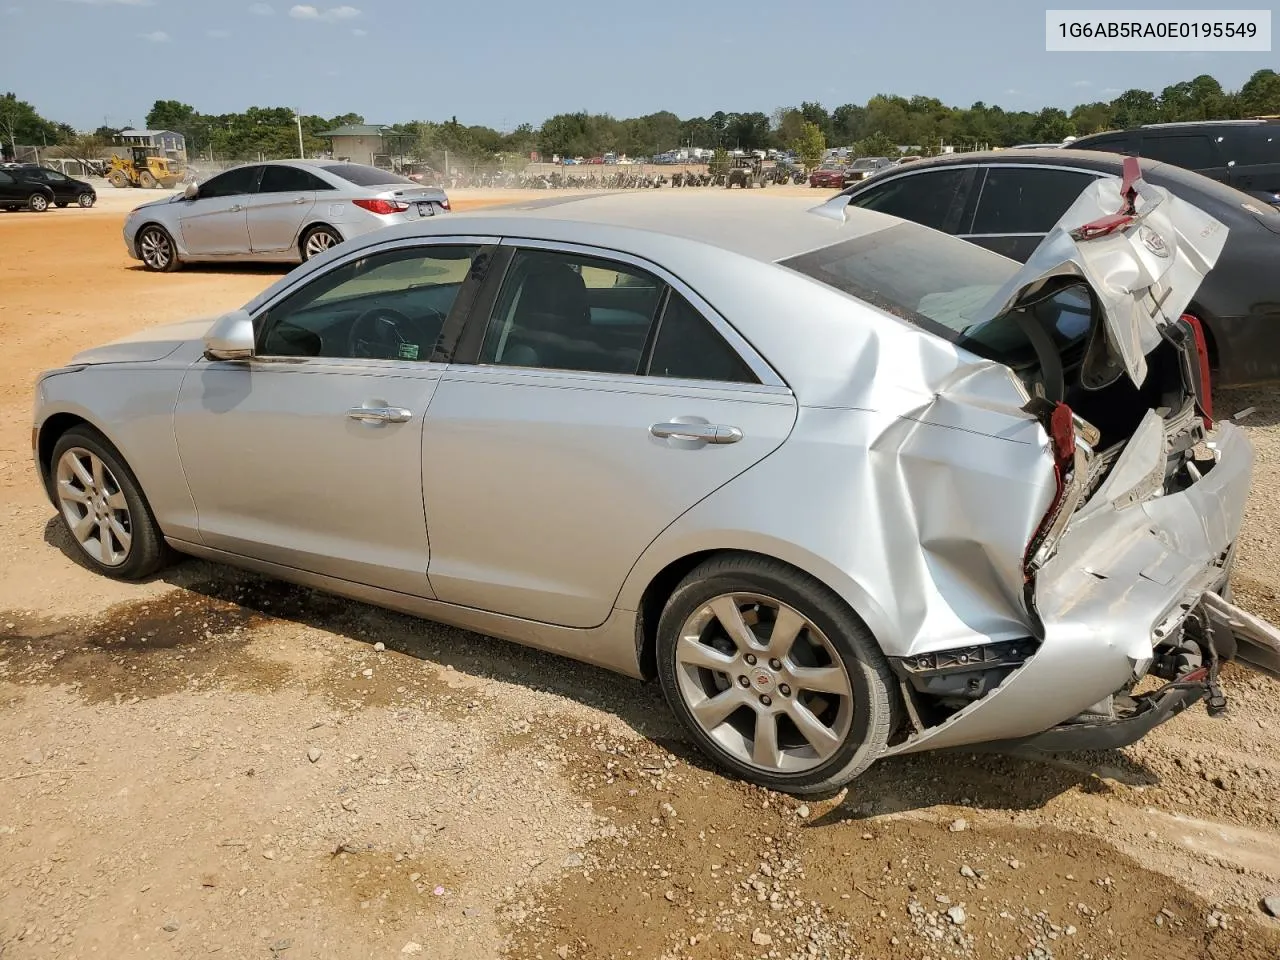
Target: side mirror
point(191, 192)
point(230, 337)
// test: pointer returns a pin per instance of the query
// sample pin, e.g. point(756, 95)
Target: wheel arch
point(648, 593)
point(311, 225)
point(47, 435)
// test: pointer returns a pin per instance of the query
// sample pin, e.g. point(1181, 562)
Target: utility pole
point(302, 154)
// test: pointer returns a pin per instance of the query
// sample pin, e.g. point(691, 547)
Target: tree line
point(874, 128)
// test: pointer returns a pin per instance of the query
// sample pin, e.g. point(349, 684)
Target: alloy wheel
point(86, 199)
point(38, 203)
point(318, 241)
point(156, 248)
point(764, 683)
point(94, 507)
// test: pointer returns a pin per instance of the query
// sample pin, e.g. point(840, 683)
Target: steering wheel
point(381, 333)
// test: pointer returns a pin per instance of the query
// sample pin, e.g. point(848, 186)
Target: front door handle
point(706, 432)
point(301, 200)
point(380, 414)
point(237, 208)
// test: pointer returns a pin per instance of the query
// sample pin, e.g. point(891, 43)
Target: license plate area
point(426, 208)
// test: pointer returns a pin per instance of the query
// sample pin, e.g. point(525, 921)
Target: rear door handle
point(706, 432)
point(380, 414)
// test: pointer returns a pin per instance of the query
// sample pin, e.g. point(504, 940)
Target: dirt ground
point(217, 764)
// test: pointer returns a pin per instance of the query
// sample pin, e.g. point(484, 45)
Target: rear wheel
point(317, 240)
point(773, 675)
point(38, 202)
point(117, 179)
point(103, 509)
point(156, 249)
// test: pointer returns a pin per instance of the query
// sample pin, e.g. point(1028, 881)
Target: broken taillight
point(378, 205)
point(1204, 391)
point(1070, 440)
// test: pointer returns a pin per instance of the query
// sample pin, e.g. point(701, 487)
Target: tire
point(117, 179)
point(853, 726)
point(37, 203)
point(146, 180)
point(87, 200)
point(156, 249)
point(118, 497)
point(316, 241)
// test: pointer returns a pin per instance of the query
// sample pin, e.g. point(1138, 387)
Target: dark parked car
point(1007, 201)
point(864, 167)
point(1244, 154)
point(16, 191)
point(66, 190)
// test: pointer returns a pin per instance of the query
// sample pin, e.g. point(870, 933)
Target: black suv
point(1244, 154)
point(17, 190)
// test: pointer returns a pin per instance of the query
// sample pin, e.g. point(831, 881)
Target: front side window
point(53, 176)
point(1026, 199)
point(389, 305)
point(925, 198)
point(233, 183)
point(567, 311)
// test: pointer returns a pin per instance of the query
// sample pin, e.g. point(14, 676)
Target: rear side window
point(282, 179)
point(926, 198)
point(5, 178)
point(1189, 151)
point(363, 175)
point(1026, 199)
point(688, 347)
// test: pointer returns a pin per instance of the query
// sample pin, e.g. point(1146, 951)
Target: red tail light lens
point(382, 206)
point(445, 203)
point(1070, 462)
point(1205, 392)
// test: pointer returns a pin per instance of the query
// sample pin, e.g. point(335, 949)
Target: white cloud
point(360, 33)
point(261, 9)
point(12, 11)
point(1083, 83)
point(1012, 92)
point(156, 36)
point(217, 34)
point(305, 11)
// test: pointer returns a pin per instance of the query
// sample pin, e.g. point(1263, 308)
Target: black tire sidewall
point(306, 237)
point(830, 615)
point(173, 248)
point(148, 550)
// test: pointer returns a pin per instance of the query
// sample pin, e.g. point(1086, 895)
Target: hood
point(146, 346)
point(152, 203)
point(1142, 250)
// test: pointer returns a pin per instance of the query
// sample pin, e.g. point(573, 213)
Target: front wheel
point(156, 249)
point(773, 675)
point(102, 507)
point(87, 200)
point(146, 180)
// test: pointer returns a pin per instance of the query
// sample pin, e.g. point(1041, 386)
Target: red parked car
point(830, 175)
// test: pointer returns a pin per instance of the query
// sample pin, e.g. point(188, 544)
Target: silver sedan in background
point(284, 211)
point(846, 486)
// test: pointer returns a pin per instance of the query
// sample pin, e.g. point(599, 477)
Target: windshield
point(922, 276)
point(365, 176)
point(867, 163)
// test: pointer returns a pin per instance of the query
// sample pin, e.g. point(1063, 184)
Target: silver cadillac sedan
point(282, 211)
point(845, 486)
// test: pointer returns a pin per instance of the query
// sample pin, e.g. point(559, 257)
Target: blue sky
point(503, 62)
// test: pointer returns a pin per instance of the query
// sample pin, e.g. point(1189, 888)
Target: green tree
point(1052, 126)
point(876, 145)
point(719, 164)
point(810, 144)
point(1260, 95)
point(83, 147)
point(1133, 108)
point(21, 124)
